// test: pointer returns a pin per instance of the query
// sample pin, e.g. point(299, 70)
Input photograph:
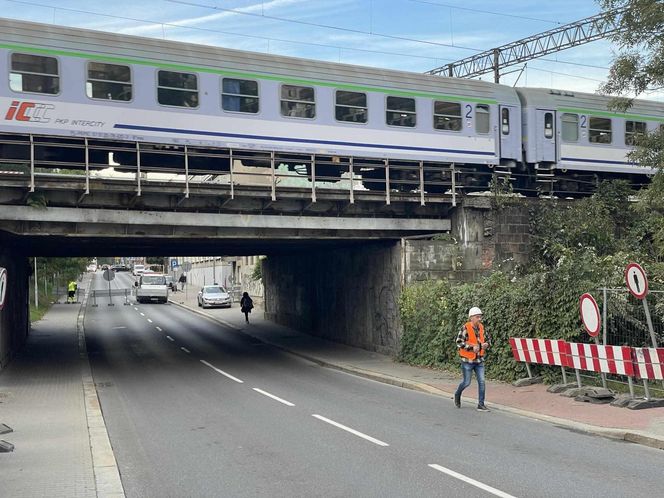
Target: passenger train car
point(67, 82)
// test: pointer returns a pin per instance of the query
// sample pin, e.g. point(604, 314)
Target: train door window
point(177, 89)
point(599, 130)
point(298, 101)
point(34, 73)
point(400, 111)
point(351, 107)
point(239, 95)
point(570, 127)
point(548, 125)
point(505, 121)
point(108, 82)
point(447, 116)
point(634, 130)
point(482, 118)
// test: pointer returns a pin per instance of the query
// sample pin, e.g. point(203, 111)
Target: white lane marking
point(185, 350)
point(142, 314)
point(159, 329)
point(222, 372)
point(170, 338)
point(149, 321)
point(475, 483)
point(276, 398)
point(352, 431)
point(117, 328)
point(135, 308)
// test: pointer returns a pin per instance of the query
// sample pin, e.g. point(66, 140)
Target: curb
point(105, 468)
point(615, 434)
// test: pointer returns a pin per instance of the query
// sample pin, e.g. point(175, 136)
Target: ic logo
point(32, 112)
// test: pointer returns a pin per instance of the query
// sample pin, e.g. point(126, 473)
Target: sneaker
point(482, 408)
point(457, 400)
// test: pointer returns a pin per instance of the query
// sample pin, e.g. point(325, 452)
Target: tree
point(639, 68)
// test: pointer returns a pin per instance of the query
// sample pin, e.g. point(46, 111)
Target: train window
point(298, 101)
point(634, 130)
point(34, 73)
point(400, 111)
point(239, 95)
point(351, 107)
point(570, 127)
point(505, 121)
point(108, 81)
point(447, 116)
point(548, 125)
point(482, 118)
point(599, 130)
point(177, 89)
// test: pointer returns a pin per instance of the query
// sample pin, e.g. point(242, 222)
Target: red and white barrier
point(596, 358)
point(542, 351)
point(649, 363)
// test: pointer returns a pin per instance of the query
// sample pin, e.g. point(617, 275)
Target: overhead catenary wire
point(280, 40)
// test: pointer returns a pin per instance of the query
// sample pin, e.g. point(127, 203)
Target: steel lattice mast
point(566, 36)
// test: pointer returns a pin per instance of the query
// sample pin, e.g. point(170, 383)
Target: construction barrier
point(540, 351)
point(649, 363)
point(615, 360)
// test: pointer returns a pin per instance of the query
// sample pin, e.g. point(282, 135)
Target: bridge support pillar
point(14, 315)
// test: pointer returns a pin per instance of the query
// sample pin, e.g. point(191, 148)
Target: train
point(69, 83)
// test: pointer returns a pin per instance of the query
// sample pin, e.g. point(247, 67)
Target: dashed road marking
point(142, 314)
point(475, 483)
point(276, 398)
point(185, 350)
point(159, 329)
point(352, 431)
point(170, 338)
point(222, 372)
point(149, 321)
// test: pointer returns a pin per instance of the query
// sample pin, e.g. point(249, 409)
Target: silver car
point(214, 295)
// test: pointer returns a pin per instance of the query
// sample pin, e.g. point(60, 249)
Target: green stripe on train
point(222, 72)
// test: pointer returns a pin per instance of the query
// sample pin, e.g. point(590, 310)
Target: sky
point(410, 35)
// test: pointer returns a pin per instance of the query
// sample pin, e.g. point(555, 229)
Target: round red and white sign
point(3, 287)
point(590, 314)
point(636, 280)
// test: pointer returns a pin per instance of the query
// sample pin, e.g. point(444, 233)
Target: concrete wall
point(348, 295)
point(483, 239)
point(14, 317)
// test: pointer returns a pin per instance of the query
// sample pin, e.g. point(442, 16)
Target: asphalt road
point(197, 409)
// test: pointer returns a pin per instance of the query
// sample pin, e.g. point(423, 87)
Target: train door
point(546, 136)
point(510, 133)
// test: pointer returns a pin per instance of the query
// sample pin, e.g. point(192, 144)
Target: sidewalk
point(639, 426)
point(48, 398)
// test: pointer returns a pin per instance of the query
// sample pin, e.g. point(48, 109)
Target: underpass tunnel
point(342, 290)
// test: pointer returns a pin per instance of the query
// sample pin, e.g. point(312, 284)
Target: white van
point(138, 270)
point(151, 287)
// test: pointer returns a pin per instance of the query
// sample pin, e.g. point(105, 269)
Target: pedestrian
point(247, 305)
point(472, 343)
point(182, 280)
point(72, 287)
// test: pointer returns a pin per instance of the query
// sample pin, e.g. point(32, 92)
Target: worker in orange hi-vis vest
point(472, 342)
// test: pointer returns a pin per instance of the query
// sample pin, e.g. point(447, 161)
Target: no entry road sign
point(590, 314)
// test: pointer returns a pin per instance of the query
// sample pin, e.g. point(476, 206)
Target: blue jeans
point(467, 369)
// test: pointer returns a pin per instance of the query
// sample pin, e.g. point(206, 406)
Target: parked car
point(171, 283)
point(214, 295)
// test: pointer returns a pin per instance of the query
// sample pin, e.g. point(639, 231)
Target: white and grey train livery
point(74, 83)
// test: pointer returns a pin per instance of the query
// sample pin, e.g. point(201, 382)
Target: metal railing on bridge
point(232, 171)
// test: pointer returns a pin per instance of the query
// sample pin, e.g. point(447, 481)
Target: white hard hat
point(474, 311)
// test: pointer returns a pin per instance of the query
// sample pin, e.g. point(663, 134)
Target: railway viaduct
point(335, 265)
